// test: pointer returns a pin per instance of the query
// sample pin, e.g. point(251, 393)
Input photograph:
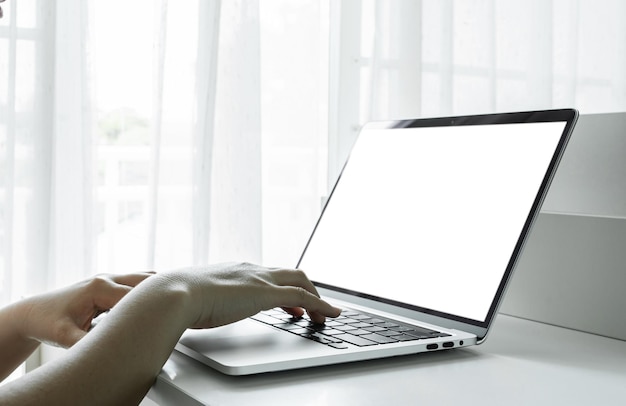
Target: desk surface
point(522, 362)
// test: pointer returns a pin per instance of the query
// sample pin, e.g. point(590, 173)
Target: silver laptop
point(416, 243)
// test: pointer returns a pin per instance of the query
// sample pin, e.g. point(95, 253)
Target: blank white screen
point(430, 216)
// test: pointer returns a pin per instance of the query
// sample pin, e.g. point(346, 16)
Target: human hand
point(64, 316)
point(226, 293)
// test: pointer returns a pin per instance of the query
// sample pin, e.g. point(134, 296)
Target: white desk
point(522, 363)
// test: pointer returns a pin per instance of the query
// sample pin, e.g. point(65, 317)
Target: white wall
point(573, 270)
point(591, 179)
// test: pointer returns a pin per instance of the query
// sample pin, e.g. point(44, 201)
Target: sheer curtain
point(172, 136)
point(421, 58)
point(132, 135)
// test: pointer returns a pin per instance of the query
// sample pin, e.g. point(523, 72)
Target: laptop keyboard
point(351, 327)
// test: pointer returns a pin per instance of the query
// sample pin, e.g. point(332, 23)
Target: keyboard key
point(349, 338)
point(379, 339)
point(347, 327)
point(401, 328)
point(359, 332)
point(331, 332)
point(325, 339)
point(339, 346)
point(320, 339)
point(348, 321)
point(388, 325)
point(388, 333)
point(361, 325)
point(374, 329)
point(347, 312)
point(439, 334)
point(417, 334)
point(422, 330)
point(287, 326)
point(263, 318)
point(362, 317)
point(406, 337)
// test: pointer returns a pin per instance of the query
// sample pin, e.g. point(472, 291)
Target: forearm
point(115, 363)
point(14, 348)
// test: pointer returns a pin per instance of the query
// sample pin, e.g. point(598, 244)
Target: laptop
point(416, 243)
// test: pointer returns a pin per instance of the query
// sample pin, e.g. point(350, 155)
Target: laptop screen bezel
point(480, 328)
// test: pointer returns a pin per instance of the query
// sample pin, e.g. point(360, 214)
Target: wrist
point(15, 347)
point(20, 314)
point(172, 294)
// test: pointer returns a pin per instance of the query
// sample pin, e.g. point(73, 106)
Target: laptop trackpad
point(247, 342)
point(231, 336)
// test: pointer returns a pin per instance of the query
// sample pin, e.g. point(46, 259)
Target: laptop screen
point(430, 216)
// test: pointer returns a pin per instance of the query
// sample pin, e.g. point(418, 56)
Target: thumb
point(109, 296)
point(69, 334)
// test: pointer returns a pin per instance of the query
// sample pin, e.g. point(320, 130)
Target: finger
point(110, 289)
point(297, 297)
point(131, 279)
point(320, 318)
point(109, 295)
point(294, 277)
point(296, 312)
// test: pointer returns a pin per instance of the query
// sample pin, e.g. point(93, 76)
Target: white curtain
point(424, 58)
point(155, 134)
point(132, 135)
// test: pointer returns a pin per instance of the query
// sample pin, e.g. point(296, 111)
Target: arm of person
point(14, 348)
point(60, 317)
point(117, 362)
